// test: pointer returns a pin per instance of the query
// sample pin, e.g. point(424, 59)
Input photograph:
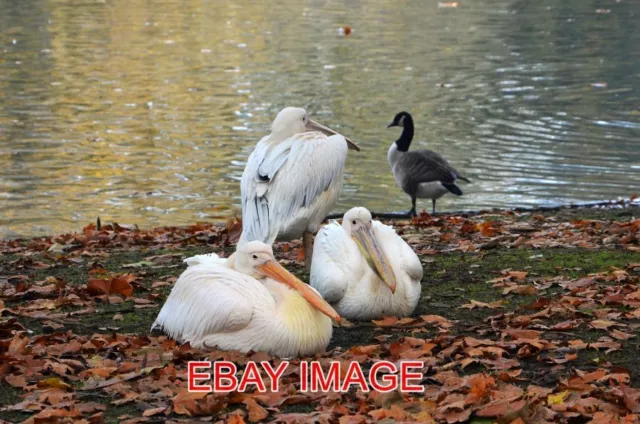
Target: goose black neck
point(406, 137)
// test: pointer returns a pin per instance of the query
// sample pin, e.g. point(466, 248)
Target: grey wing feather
point(421, 166)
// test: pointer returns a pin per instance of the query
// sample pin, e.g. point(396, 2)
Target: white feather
point(342, 275)
point(305, 174)
point(209, 258)
point(212, 305)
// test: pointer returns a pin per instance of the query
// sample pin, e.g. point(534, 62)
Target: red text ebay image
point(383, 376)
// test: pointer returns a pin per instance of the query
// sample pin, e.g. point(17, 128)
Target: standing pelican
point(364, 269)
point(292, 180)
point(420, 173)
point(246, 302)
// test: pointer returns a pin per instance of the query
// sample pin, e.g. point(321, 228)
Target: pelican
point(364, 269)
point(292, 180)
point(420, 173)
point(247, 302)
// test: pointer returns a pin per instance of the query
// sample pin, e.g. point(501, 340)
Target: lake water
point(145, 111)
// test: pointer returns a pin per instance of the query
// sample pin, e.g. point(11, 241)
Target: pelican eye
point(353, 222)
point(255, 256)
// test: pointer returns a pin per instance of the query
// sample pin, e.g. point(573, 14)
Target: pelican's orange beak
point(276, 271)
point(314, 126)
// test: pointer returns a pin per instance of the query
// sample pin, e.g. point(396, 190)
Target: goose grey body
point(421, 174)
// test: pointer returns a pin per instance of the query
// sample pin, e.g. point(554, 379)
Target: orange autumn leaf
point(518, 275)
point(620, 335)
point(233, 229)
point(54, 383)
point(153, 411)
point(185, 402)
point(120, 285)
point(256, 412)
point(522, 334)
point(502, 408)
point(476, 304)
point(16, 380)
point(486, 228)
point(235, 419)
point(520, 289)
point(385, 321)
point(602, 324)
point(480, 385)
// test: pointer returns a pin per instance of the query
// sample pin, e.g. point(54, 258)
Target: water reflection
point(144, 112)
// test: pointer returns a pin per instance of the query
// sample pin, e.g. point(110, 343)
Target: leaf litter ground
point(524, 318)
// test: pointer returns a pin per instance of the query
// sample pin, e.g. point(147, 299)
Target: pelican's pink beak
point(276, 271)
point(314, 126)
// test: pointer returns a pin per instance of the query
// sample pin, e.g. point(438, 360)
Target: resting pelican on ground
point(246, 302)
point(292, 180)
point(420, 173)
point(364, 269)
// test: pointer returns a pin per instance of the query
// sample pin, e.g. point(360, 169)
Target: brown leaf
point(256, 412)
point(477, 304)
point(566, 325)
point(55, 383)
point(233, 229)
point(153, 411)
point(602, 324)
point(97, 286)
point(386, 321)
point(235, 419)
point(520, 289)
point(501, 408)
point(184, 403)
point(616, 334)
point(522, 334)
point(16, 380)
point(631, 398)
point(120, 285)
point(518, 275)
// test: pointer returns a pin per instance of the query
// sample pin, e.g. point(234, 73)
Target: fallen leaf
point(557, 398)
point(256, 412)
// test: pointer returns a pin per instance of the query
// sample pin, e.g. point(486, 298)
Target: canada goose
point(420, 173)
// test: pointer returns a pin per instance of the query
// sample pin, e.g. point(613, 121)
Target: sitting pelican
point(420, 173)
point(246, 302)
point(364, 269)
point(292, 180)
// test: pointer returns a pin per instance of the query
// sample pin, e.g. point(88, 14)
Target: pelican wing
point(402, 256)
point(281, 179)
point(332, 265)
point(209, 299)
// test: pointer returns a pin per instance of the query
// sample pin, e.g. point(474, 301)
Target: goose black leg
point(412, 212)
point(433, 210)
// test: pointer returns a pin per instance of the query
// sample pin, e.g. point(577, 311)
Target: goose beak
point(276, 271)
point(393, 124)
point(314, 126)
point(375, 256)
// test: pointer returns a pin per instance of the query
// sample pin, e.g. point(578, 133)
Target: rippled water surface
point(145, 111)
